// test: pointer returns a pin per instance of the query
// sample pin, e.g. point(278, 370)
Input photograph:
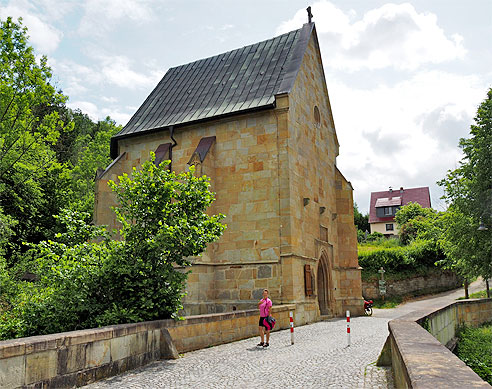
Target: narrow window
point(389, 227)
point(323, 233)
point(317, 117)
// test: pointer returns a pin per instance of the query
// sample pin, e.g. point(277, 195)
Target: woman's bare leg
point(267, 337)
point(262, 334)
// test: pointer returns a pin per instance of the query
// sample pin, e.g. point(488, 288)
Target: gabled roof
point(235, 82)
point(401, 196)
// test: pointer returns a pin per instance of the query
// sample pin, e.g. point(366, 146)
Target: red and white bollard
point(291, 314)
point(348, 328)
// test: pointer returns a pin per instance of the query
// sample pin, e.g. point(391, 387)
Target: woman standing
point(265, 306)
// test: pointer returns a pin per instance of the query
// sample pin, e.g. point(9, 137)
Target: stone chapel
point(258, 122)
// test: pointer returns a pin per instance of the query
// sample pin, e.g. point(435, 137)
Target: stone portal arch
point(325, 285)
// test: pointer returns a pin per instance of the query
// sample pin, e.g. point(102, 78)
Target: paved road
point(320, 358)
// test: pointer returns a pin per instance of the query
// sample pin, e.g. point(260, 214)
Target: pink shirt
point(264, 307)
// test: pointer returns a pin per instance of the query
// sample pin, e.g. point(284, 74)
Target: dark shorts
point(260, 323)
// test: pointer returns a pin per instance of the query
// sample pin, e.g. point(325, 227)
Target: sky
point(404, 78)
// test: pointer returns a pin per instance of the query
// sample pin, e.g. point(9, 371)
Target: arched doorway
point(324, 285)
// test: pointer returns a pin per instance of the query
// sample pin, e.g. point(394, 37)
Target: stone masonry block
point(138, 343)
point(12, 372)
point(98, 353)
point(71, 359)
point(120, 348)
point(264, 271)
point(269, 254)
point(41, 366)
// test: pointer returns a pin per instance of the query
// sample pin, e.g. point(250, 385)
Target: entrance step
point(325, 317)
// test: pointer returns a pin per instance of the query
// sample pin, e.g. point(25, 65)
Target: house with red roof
point(384, 206)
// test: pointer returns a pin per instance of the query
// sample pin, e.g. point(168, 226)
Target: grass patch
point(380, 244)
point(388, 303)
point(477, 295)
point(475, 349)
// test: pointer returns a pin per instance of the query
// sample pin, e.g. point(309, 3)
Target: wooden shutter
point(307, 280)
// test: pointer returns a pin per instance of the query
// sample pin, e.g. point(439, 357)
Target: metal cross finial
point(310, 15)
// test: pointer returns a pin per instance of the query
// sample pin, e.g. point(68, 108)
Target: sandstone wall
point(243, 167)
point(263, 166)
point(349, 271)
point(321, 214)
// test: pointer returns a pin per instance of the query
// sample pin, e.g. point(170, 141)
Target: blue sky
point(404, 78)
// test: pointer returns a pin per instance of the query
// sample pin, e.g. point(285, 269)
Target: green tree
point(415, 221)
point(361, 221)
point(468, 190)
point(49, 154)
point(28, 129)
point(164, 224)
point(83, 151)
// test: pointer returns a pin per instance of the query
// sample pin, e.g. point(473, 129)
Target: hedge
point(418, 255)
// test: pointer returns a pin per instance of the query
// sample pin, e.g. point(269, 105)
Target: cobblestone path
point(319, 358)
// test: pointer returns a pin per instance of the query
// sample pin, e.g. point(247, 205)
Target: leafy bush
point(420, 254)
point(362, 237)
point(475, 349)
point(88, 280)
point(374, 237)
point(415, 221)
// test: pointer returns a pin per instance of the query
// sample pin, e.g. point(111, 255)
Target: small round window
point(317, 118)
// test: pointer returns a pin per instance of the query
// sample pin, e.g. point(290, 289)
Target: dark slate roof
point(234, 82)
point(415, 195)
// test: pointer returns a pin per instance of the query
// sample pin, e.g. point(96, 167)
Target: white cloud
point(107, 70)
point(100, 113)
point(100, 16)
point(86, 107)
point(53, 9)
point(117, 71)
point(406, 134)
point(77, 78)
point(118, 116)
point(109, 99)
point(43, 36)
point(394, 35)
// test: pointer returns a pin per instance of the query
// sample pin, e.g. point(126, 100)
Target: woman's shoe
point(261, 344)
point(266, 345)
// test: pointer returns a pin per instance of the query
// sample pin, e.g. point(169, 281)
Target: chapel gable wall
point(312, 153)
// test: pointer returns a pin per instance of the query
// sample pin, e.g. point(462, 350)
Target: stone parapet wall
point(79, 357)
point(197, 332)
point(419, 357)
point(436, 281)
point(444, 322)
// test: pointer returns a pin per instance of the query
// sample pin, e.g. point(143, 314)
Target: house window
point(389, 227)
point(387, 211)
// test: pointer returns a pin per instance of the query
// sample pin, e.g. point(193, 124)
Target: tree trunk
point(466, 289)
point(487, 288)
